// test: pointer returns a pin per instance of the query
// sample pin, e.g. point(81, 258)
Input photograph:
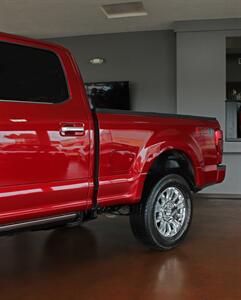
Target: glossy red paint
point(129, 144)
point(44, 172)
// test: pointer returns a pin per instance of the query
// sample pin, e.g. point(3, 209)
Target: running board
point(39, 222)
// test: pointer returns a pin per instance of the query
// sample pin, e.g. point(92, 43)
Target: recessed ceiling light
point(97, 60)
point(123, 10)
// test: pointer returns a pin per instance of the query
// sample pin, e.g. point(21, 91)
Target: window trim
point(61, 64)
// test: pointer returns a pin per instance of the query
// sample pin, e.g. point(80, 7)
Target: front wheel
point(162, 218)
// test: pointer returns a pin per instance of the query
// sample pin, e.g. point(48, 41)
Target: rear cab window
point(31, 75)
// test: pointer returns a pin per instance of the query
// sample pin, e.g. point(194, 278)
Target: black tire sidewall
point(159, 240)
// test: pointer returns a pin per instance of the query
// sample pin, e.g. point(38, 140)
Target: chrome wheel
point(170, 212)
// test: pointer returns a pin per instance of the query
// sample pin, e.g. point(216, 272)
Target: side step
point(35, 224)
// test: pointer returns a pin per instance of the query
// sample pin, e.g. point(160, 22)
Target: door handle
point(71, 130)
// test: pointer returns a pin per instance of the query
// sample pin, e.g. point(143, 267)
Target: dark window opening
point(110, 95)
point(31, 74)
point(233, 89)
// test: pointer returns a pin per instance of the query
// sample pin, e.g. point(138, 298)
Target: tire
point(158, 221)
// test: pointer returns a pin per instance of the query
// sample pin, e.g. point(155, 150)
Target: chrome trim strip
point(67, 129)
point(43, 221)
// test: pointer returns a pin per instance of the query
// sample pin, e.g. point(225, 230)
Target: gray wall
point(146, 59)
point(201, 82)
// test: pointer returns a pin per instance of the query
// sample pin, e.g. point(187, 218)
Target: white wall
point(146, 59)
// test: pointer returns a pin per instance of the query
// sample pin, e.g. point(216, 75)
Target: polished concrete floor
point(102, 260)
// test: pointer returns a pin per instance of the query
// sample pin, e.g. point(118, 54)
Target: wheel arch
point(170, 161)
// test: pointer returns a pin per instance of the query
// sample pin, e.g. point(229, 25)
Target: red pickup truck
point(64, 163)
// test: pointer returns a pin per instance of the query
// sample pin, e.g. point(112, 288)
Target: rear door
point(44, 132)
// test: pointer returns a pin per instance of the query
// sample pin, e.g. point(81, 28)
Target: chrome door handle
point(72, 130)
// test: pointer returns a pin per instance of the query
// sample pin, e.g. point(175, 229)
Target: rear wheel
point(161, 220)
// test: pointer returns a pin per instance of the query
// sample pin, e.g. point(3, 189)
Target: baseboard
point(218, 196)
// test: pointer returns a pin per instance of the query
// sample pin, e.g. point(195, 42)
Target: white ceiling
point(55, 18)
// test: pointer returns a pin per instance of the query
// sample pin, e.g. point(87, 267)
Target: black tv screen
point(112, 95)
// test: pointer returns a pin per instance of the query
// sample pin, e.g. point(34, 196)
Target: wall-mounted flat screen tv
point(112, 95)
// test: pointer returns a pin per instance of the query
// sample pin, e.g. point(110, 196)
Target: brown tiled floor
point(102, 260)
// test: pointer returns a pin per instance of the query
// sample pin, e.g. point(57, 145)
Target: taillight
point(219, 145)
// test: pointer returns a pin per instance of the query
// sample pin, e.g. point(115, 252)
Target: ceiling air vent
point(124, 10)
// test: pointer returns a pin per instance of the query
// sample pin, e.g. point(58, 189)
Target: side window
point(31, 74)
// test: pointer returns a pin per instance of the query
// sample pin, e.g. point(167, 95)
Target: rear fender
point(149, 155)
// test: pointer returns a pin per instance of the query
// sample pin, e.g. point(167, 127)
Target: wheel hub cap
point(170, 211)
